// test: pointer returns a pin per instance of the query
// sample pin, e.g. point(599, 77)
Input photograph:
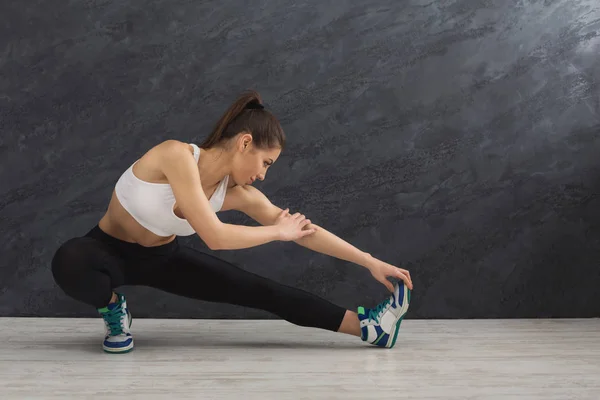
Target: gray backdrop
point(458, 139)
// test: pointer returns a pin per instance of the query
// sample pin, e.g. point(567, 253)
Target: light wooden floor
point(212, 359)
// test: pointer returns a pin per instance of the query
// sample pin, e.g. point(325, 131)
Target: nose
point(261, 177)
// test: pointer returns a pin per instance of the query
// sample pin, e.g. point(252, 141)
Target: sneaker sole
point(119, 350)
point(403, 312)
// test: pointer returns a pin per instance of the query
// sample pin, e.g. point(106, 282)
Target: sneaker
point(380, 325)
point(117, 320)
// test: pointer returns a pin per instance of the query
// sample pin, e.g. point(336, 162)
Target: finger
point(281, 215)
point(408, 282)
point(405, 279)
point(305, 222)
point(308, 232)
point(402, 276)
point(388, 285)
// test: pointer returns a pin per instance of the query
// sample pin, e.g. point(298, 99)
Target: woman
point(175, 189)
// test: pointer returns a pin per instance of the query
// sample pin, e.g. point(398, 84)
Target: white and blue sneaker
point(380, 325)
point(117, 320)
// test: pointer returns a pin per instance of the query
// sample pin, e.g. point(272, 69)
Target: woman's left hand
point(382, 270)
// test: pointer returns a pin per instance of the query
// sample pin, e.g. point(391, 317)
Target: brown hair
point(248, 114)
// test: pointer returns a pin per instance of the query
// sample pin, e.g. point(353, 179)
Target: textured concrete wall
point(459, 139)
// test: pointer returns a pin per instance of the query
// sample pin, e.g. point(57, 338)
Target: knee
point(67, 259)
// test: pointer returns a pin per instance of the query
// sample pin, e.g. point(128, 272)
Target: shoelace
point(114, 320)
point(374, 314)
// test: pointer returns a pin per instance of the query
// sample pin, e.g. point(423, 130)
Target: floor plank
point(258, 359)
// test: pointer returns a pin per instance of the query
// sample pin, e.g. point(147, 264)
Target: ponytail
point(247, 113)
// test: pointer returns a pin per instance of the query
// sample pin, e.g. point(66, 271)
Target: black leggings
point(88, 268)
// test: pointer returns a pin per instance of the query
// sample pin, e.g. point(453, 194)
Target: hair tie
point(255, 105)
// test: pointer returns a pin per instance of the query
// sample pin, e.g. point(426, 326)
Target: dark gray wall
point(459, 139)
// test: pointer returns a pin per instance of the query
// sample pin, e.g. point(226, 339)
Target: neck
point(214, 164)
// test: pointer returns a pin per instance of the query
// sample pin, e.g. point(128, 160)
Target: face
point(250, 163)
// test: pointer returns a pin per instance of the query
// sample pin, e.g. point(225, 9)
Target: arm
point(257, 206)
point(181, 171)
point(253, 203)
point(327, 243)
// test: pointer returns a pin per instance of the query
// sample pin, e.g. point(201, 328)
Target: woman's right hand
point(291, 227)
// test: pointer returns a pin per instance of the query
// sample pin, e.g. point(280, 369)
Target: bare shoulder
point(171, 148)
point(150, 166)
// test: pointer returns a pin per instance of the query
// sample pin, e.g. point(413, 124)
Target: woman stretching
point(175, 189)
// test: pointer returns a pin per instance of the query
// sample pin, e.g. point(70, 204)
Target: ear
point(245, 141)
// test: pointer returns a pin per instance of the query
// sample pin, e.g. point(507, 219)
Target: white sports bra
point(151, 204)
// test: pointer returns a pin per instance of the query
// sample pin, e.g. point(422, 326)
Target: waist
point(97, 233)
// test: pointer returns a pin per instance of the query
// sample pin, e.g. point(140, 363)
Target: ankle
point(350, 324)
point(114, 298)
